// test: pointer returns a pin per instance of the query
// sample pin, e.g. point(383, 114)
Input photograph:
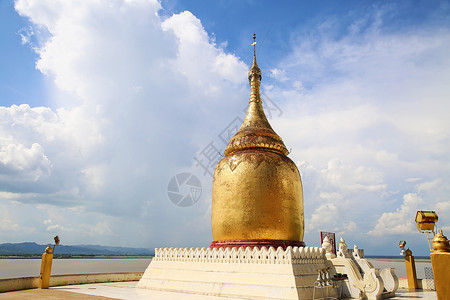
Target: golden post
point(46, 265)
point(410, 265)
point(46, 268)
point(411, 270)
point(440, 260)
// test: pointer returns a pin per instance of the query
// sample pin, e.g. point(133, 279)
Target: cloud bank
point(143, 95)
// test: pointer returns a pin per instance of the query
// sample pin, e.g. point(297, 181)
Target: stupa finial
point(255, 132)
point(254, 72)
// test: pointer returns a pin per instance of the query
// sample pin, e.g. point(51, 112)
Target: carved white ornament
point(292, 255)
point(326, 244)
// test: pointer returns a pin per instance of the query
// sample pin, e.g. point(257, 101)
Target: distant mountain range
point(29, 248)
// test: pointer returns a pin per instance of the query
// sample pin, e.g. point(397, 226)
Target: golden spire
point(255, 132)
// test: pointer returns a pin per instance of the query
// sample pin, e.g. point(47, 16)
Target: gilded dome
point(257, 196)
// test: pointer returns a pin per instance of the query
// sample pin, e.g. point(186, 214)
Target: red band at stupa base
point(256, 243)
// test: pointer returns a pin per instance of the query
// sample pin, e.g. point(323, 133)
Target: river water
point(13, 268)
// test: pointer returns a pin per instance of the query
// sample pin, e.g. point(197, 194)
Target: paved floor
point(127, 291)
point(50, 294)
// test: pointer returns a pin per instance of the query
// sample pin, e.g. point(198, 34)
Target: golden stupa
point(257, 196)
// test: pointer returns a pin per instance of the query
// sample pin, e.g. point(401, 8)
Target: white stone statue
point(343, 250)
point(327, 246)
point(356, 252)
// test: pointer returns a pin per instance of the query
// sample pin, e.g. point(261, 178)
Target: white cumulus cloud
point(144, 95)
point(369, 124)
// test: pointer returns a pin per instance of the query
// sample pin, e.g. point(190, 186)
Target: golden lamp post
point(410, 265)
point(440, 257)
point(46, 265)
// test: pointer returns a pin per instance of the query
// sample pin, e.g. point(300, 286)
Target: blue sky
point(20, 82)
point(102, 103)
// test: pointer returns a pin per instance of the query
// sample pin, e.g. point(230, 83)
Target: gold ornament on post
point(440, 242)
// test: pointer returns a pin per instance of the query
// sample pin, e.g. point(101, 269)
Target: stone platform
point(237, 272)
